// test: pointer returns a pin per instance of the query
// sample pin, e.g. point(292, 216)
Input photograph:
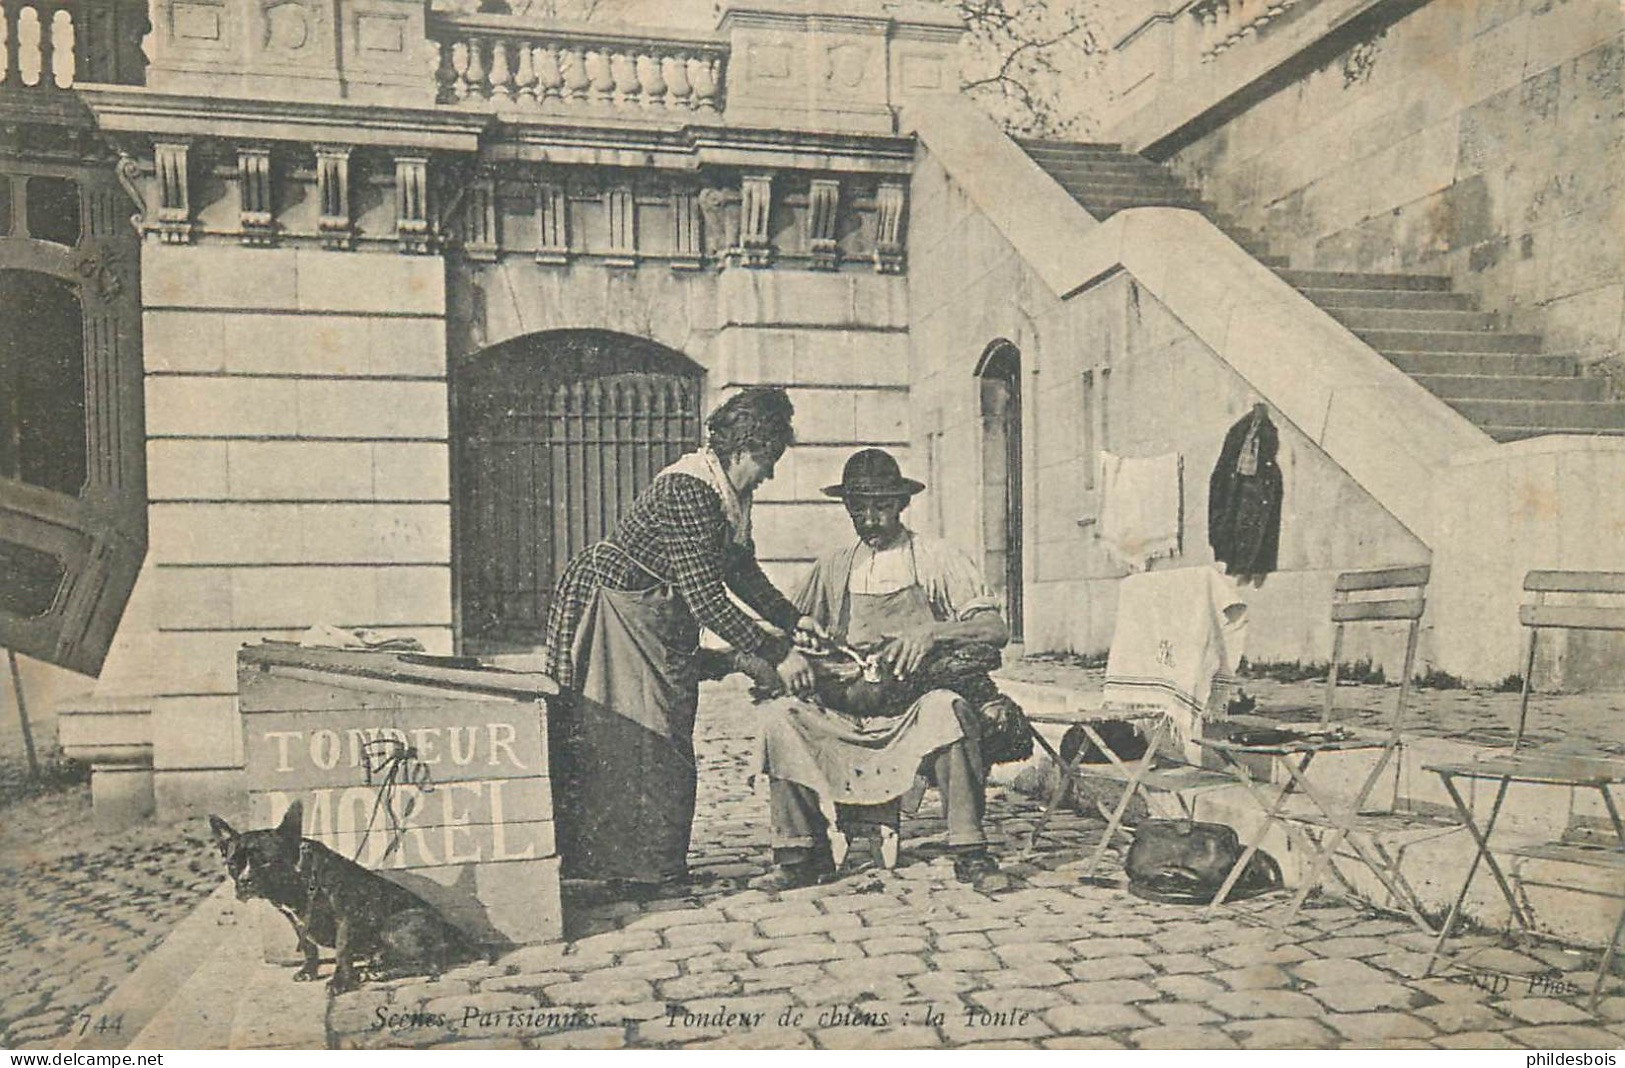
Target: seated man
point(905, 595)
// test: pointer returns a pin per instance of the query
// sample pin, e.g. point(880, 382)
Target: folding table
point(1575, 772)
point(1537, 769)
point(1381, 595)
point(1340, 819)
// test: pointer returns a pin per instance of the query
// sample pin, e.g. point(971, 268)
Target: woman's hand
point(810, 634)
point(764, 677)
point(905, 653)
point(796, 673)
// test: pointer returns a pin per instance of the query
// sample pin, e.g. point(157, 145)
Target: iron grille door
point(547, 465)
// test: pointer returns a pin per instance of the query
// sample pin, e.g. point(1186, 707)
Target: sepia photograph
point(812, 524)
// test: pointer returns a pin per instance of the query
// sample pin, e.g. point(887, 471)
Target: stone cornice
point(126, 109)
point(123, 109)
point(579, 33)
point(691, 147)
point(849, 17)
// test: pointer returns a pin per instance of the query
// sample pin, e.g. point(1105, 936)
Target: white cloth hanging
point(1141, 507)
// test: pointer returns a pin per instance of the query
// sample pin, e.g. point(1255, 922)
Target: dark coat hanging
point(1244, 497)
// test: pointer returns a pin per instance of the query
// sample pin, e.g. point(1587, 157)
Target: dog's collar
point(306, 868)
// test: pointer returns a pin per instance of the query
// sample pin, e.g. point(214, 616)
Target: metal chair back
point(1401, 591)
point(1540, 614)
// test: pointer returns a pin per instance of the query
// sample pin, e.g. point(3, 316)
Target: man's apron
point(863, 760)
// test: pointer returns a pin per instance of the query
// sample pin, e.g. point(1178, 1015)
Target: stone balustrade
point(1226, 23)
point(510, 61)
point(55, 44)
point(39, 44)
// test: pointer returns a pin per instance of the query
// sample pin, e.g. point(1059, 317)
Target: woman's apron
point(863, 760)
point(626, 803)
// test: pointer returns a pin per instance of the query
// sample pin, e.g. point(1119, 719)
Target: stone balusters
point(1227, 23)
point(525, 68)
point(39, 46)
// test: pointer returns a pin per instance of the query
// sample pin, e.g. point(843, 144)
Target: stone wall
point(296, 422)
point(1481, 139)
point(836, 340)
point(1155, 389)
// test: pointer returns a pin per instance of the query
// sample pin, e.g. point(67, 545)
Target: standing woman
point(623, 631)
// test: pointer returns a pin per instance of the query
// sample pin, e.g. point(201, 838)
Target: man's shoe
point(789, 877)
point(981, 872)
point(795, 875)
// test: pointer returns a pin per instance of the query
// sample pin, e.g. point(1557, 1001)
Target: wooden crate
point(435, 776)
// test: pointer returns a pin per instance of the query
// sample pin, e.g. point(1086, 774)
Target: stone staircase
point(1503, 382)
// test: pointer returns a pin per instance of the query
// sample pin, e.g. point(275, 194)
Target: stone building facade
point(414, 297)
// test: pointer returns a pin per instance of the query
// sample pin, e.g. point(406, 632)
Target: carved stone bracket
point(552, 223)
point(621, 213)
point(890, 204)
point(719, 210)
point(333, 191)
point(823, 206)
point(174, 222)
point(688, 251)
point(481, 238)
point(254, 195)
point(128, 173)
point(412, 204)
point(755, 212)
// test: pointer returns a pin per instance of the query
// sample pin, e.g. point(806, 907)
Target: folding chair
point(1599, 771)
point(1385, 595)
point(1154, 770)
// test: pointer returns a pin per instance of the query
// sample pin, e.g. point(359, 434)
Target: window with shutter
point(73, 521)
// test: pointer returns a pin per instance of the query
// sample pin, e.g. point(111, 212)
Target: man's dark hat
point(873, 473)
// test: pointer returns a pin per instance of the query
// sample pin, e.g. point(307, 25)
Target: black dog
point(376, 929)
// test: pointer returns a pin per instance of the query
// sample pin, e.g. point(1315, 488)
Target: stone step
point(1519, 433)
point(1126, 170)
point(1104, 185)
point(1105, 207)
point(1122, 184)
point(1130, 198)
point(1483, 363)
point(151, 988)
point(1514, 387)
point(1420, 299)
point(1412, 319)
point(1365, 280)
point(1125, 188)
point(199, 1011)
point(1587, 417)
point(1036, 146)
point(1449, 341)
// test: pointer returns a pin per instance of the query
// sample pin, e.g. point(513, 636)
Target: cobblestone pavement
point(912, 958)
point(81, 911)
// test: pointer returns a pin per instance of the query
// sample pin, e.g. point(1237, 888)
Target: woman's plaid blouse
point(674, 530)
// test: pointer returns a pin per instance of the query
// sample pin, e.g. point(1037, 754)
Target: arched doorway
point(998, 374)
point(553, 436)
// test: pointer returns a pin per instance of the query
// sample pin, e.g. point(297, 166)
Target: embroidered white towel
point(1177, 644)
